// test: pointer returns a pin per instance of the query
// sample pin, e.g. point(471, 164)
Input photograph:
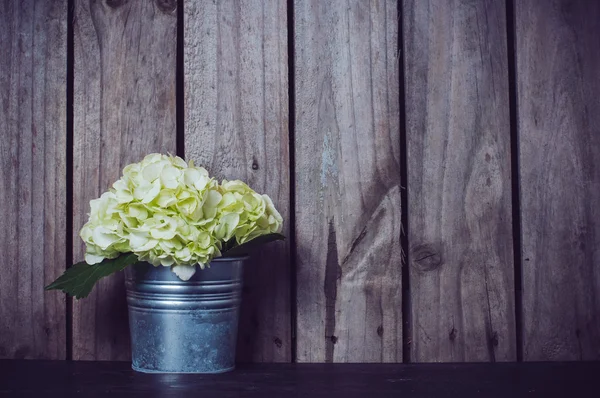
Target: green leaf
point(79, 280)
point(246, 247)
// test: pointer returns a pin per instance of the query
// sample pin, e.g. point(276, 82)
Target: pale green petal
point(169, 177)
point(152, 158)
point(166, 260)
point(228, 199)
point(139, 240)
point(184, 272)
point(166, 198)
point(129, 222)
point(163, 233)
point(149, 245)
point(262, 221)
point(119, 185)
point(152, 192)
point(86, 233)
point(198, 212)
point(152, 171)
point(178, 162)
point(183, 255)
point(97, 207)
point(184, 229)
point(170, 246)
point(211, 203)
point(203, 240)
point(185, 193)
point(227, 226)
point(212, 199)
point(188, 206)
point(201, 183)
point(191, 175)
point(121, 247)
point(141, 190)
point(250, 202)
point(166, 229)
point(131, 170)
point(236, 186)
point(92, 259)
point(124, 196)
point(138, 211)
point(242, 233)
point(149, 256)
point(277, 225)
point(104, 237)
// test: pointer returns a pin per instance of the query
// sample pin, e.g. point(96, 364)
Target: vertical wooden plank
point(33, 96)
point(459, 181)
point(236, 125)
point(348, 182)
point(124, 108)
point(558, 59)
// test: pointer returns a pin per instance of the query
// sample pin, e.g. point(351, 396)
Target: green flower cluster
point(173, 214)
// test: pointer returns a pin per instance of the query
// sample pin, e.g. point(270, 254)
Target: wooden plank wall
point(459, 181)
point(236, 125)
point(124, 108)
point(33, 151)
point(347, 137)
point(558, 59)
point(472, 126)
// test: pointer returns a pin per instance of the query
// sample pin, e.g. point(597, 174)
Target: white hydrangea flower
point(171, 213)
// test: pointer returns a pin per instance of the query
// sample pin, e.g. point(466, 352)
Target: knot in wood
point(426, 257)
point(167, 6)
point(494, 339)
point(452, 334)
point(115, 3)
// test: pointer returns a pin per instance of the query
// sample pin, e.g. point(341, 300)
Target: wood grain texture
point(347, 145)
point(236, 126)
point(32, 178)
point(33, 44)
point(558, 59)
point(459, 181)
point(124, 108)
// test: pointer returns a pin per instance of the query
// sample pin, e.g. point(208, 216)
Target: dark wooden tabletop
point(23, 378)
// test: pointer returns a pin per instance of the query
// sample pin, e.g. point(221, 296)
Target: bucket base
point(152, 371)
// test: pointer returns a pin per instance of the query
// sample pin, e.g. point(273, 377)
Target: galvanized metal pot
point(184, 326)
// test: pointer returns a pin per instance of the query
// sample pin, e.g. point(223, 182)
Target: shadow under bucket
point(184, 326)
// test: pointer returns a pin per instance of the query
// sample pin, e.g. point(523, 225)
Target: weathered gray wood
point(124, 108)
point(33, 44)
point(347, 148)
point(558, 64)
point(236, 125)
point(459, 182)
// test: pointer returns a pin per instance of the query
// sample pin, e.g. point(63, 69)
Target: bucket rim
point(230, 258)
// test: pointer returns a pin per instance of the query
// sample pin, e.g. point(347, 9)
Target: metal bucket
point(184, 326)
